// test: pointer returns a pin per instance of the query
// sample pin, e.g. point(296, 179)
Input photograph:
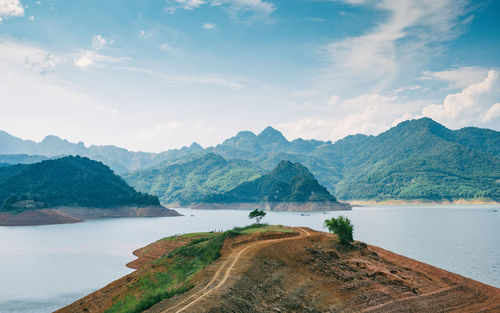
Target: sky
point(160, 74)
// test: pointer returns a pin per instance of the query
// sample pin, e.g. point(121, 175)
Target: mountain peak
point(271, 134)
point(51, 139)
point(287, 169)
point(195, 146)
point(245, 134)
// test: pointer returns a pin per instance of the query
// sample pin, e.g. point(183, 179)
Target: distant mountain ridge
point(417, 159)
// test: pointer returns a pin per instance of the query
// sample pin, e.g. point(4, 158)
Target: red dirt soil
point(311, 274)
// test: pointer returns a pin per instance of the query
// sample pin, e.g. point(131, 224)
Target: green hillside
point(419, 159)
point(288, 182)
point(195, 178)
point(68, 181)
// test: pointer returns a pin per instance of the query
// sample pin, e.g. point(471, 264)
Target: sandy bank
point(421, 202)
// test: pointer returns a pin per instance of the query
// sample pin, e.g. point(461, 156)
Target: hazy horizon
point(193, 142)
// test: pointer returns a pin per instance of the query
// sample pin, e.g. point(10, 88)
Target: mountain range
point(417, 159)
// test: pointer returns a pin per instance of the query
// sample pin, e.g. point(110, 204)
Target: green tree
point(257, 214)
point(341, 226)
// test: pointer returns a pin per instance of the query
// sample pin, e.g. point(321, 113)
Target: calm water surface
point(43, 268)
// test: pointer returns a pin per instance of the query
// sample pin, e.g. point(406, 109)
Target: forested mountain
point(68, 181)
point(288, 182)
point(190, 180)
point(417, 159)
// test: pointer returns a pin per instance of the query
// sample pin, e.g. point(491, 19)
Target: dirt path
point(224, 271)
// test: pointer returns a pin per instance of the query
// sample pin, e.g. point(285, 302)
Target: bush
point(341, 226)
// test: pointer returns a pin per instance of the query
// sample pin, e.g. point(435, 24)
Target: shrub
point(341, 226)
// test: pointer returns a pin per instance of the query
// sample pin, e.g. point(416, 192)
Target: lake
point(43, 268)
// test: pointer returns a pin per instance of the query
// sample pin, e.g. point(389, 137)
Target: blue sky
point(152, 75)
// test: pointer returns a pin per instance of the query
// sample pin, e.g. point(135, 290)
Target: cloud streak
point(234, 84)
point(247, 10)
point(396, 45)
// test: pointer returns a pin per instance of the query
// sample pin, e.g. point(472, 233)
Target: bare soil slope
point(310, 272)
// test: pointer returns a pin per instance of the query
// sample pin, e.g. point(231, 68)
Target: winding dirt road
point(224, 271)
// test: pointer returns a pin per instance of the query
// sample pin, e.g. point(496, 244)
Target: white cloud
point(333, 100)
point(46, 104)
point(472, 105)
point(162, 134)
point(31, 18)
point(208, 26)
point(478, 104)
point(167, 47)
point(365, 114)
point(84, 60)
point(396, 46)
point(407, 88)
point(457, 77)
point(11, 8)
point(190, 4)
point(247, 10)
point(233, 83)
point(98, 42)
point(492, 113)
point(88, 58)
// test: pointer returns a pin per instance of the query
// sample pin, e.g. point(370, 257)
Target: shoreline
point(421, 202)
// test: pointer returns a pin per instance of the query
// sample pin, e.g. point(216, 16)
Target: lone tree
point(341, 226)
point(257, 214)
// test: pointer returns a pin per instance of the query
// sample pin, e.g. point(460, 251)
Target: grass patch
point(192, 235)
point(264, 228)
point(171, 274)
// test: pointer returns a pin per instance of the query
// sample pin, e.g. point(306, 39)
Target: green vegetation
point(171, 274)
point(415, 160)
point(68, 181)
point(341, 226)
point(421, 159)
point(264, 228)
point(13, 159)
point(288, 182)
point(190, 181)
point(257, 215)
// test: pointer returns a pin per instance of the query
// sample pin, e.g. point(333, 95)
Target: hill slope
point(418, 159)
point(290, 186)
point(190, 181)
point(71, 185)
point(281, 269)
point(288, 182)
point(72, 181)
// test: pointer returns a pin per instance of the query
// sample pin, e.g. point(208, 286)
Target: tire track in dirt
point(225, 270)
